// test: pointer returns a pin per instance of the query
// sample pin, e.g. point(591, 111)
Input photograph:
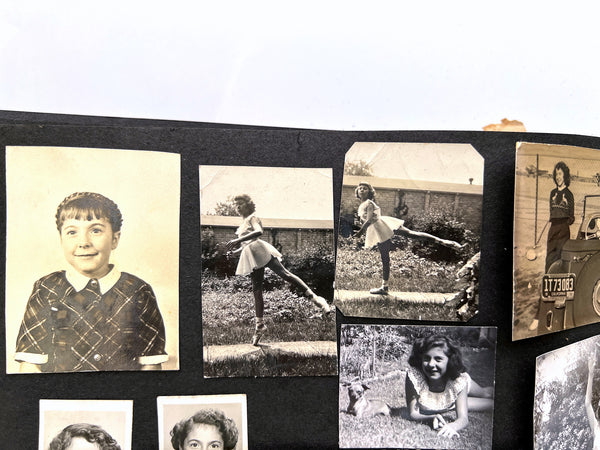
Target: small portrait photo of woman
point(85, 424)
point(202, 422)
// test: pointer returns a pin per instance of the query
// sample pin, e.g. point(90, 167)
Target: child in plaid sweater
point(90, 317)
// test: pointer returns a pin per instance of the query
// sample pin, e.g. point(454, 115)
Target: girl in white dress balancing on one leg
point(380, 229)
point(255, 255)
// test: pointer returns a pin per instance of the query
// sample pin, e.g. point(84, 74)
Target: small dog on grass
point(360, 406)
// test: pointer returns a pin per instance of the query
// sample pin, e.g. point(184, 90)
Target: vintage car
point(570, 290)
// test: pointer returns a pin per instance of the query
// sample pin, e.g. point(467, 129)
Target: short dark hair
point(565, 169)
point(422, 345)
point(87, 206)
point(91, 433)
point(371, 190)
point(247, 201)
point(225, 425)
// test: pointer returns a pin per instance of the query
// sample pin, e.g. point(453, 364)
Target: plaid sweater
point(68, 331)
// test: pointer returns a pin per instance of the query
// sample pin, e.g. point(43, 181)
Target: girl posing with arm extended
point(255, 255)
point(379, 230)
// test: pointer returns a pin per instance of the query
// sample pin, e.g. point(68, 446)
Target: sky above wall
point(326, 65)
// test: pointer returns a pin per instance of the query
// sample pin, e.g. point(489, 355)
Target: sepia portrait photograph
point(85, 424)
point(410, 226)
point(566, 407)
point(202, 422)
point(556, 254)
point(267, 271)
point(416, 386)
point(92, 260)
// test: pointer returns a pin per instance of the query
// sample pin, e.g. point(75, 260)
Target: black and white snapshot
point(267, 271)
point(85, 424)
point(410, 226)
point(92, 260)
point(416, 386)
point(202, 422)
point(556, 254)
point(567, 397)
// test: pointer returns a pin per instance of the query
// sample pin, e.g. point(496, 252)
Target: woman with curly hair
point(437, 383)
point(207, 429)
point(562, 213)
point(83, 436)
point(562, 216)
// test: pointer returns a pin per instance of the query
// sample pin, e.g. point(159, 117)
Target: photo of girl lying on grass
point(416, 386)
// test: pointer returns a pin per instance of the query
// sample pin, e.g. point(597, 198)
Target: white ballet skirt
point(255, 253)
point(437, 402)
point(382, 229)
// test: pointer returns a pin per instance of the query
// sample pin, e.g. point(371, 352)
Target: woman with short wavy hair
point(207, 429)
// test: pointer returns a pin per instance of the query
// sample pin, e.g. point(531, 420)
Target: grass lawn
point(280, 366)
point(527, 290)
point(228, 318)
point(360, 270)
point(387, 308)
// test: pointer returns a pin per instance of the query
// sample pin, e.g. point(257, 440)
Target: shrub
point(315, 265)
point(358, 168)
point(226, 208)
point(443, 224)
point(214, 255)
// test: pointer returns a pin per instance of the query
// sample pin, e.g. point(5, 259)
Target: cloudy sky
point(330, 65)
point(450, 163)
point(278, 192)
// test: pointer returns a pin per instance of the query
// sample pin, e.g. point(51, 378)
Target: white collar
point(79, 281)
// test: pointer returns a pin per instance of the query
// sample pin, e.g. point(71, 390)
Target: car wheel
point(586, 305)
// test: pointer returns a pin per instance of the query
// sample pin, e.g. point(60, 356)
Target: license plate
point(556, 285)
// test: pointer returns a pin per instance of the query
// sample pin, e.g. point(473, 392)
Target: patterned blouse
point(65, 330)
point(437, 402)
